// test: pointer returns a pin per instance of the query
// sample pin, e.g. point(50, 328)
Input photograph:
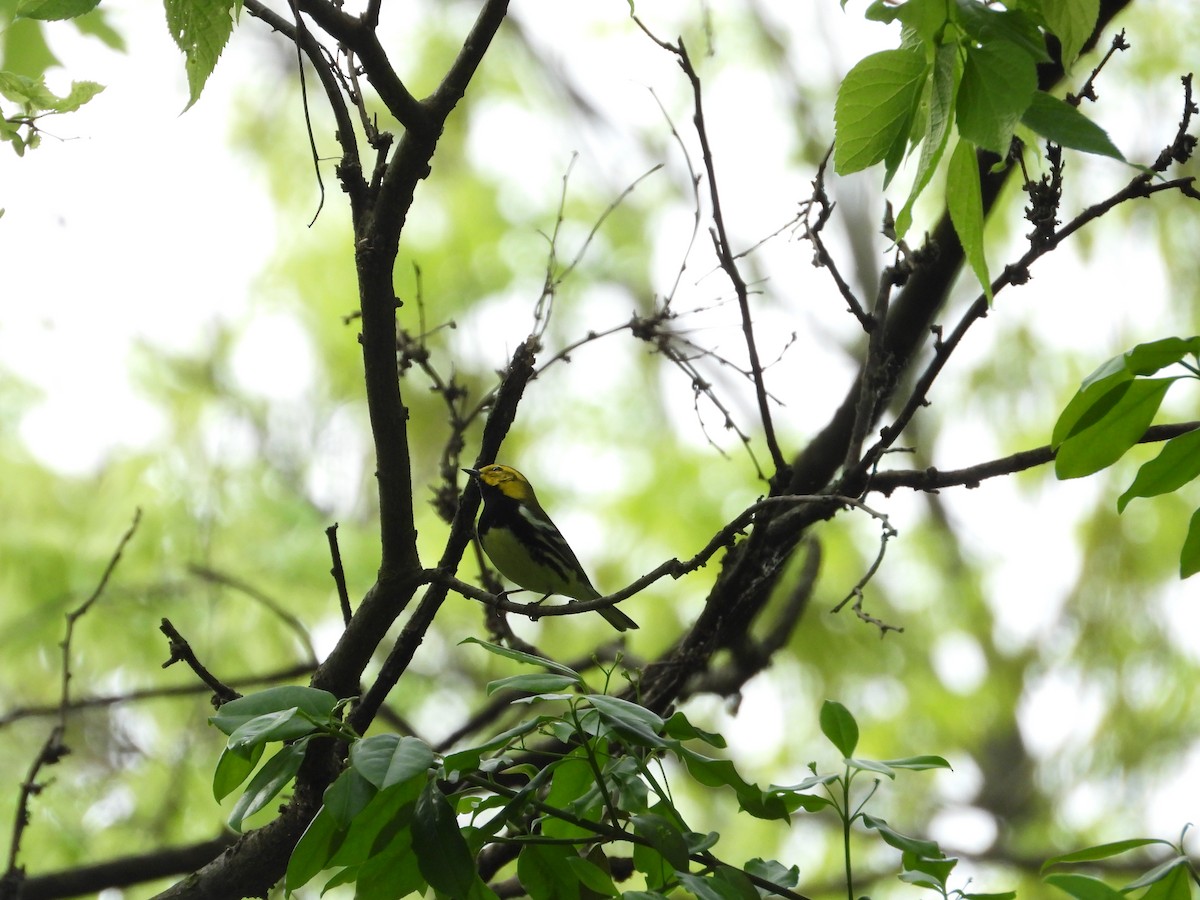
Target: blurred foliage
point(1062, 686)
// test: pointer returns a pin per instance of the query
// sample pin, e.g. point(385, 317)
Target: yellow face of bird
point(507, 481)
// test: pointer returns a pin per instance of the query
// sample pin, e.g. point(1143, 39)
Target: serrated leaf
point(1101, 444)
point(276, 774)
point(998, 83)
point(1189, 557)
point(838, 725)
point(1177, 463)
point(988, 25)
point(1063, 124)
point(875, 107)
point(52, 10)
point(938, 116)
point(964, 199)
point(1072, 23)
point(1083, 887)
point(200, 28)
point(387, 759)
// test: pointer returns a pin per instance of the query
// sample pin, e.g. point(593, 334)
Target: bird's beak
point(474, 473)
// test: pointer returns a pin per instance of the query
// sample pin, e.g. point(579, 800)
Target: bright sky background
point(141, 225)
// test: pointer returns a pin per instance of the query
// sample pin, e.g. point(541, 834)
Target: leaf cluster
point(967, 69)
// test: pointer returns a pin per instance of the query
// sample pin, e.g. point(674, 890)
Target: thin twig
point(728, 262)
point(54, 749)
point(181, 651)
point(338, 573)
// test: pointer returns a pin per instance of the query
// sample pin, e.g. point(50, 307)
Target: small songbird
point(526, 547)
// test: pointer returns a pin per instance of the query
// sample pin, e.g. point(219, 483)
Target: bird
point(526, 546)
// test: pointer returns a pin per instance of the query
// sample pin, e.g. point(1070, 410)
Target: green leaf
point(286, 725)
point(680, 728)
point(632, 722)
point(314, 849)
point(1174, 883)
point(870, 765)
point(938, 116)
point(1072, 23)
point(988, 25)
point(964, 198)
point(48, 10)
point(234, 714)
point(272, 778)
point(774, 872)
point(1083, 887)
point(591, 875)
point(924, 19)
point(1101, 444)
point(714, 887)
point(1148, 358)
point(1189, 557)
point(722, 772)
point(442, 853)
point(534, 683)
point(998, 83)
point(1089, 405)
point(664, 837)
point(839, 726)
point(545, 873)
point(875, 107)
point(1062, 123)
point(347, 797)
point(937, 869)
point(469, 758)
point(384, 822)
point(1177, 463)
point(918, 763)
point(233, 768)
point(916, 846)
point(528, 658)
point(1160, 872)
point(393, 872)
point(200, 28)
point(387, 759)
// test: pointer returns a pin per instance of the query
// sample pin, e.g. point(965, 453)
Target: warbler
point(526, 547)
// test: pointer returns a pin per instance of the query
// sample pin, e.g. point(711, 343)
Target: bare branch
point(54, 749)
point(181, 651)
